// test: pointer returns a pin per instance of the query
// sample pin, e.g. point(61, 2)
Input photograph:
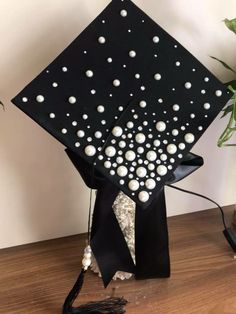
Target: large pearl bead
point(110, 151)
point(157, 76)
point(40, 98)
point(175, 132)
point(189, 138)
point(98, 134)
point(123, 13)
point(122, 171)
point(143, 196)
point(150, 184)
point(187, 85)
point(80, 133)
point(141, 172)
point(151, 155)
point(156, 39)
point(133, 185)
point(162, 170)
point(132, 54)
point(161, 126)
point(100, 109)
point(72, 100)
point(140, 138)
point(218, 93)
point(156, 143)
point(90, 150)
point(181, 146)
point(101, 40)
point(116, 83)
point(143, 104)
point(171, 149)
point(117, 131)
point(207, 106)
point(130, 155)
point(176, 107)
point(89, 73)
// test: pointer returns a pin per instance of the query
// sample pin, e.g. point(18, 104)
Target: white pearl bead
point(189, 138)
point(156, 39)
point(150, 184)
point(86, 262)
point(119, 160)
point(122, 171)
point(98, 134)
point(116, 83)
point(107, 164)
point(85, 116)
point(207, 106)
point(40, 98)
point(175, 132)
point(80, 133)
point(161, 126)
point(130, 155)
point(24, 99)
point(100, 109)
point(156, 143)
point(130, 124)
point(64, 69)
point(171, 149)
point(122, 144)
point(77, 144)
point(192, 115)
point(140, 138)
point(88, 249)
point(206, 79)
point(54, 84)
point(143, 196)
point(133, 185)
point(123, 13)
point(151, 155)
point(176, 107)
point(143, 104)
point(137, 76)
point(90, 150)
point(177, 63)
point(163, 157)
point(72, 100)
point(89, 73)
point(117, 131)
point(141, 172)
point(64, 131)
point(110, 151)
point(87, 255)
point(109, 60)
point(132, 54)
point(157, 76)
point(52, 115)
point(188, 85)
point(151, 167)
point(101, 40)
point(218, 93)
point(182, 146)
point(162, 170)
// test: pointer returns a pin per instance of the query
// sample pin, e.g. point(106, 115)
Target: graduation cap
point(126, 98)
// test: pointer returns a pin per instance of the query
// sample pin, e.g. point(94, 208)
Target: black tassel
point(108, 306)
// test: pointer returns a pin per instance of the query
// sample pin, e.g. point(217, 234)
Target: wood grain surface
point(36, 278)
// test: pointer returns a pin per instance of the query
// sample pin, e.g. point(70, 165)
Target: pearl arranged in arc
point(161, 170)
point(218, 93)
point(101, 40)
point(150, 184)
point(117, 131)
point(110, 151)
point(72, 99)
point(171, 149)
point(133, 185)
point(123, 13)
point(40, 98)
point(189, 138)
point(140, 138)
point(90, 150)
point(132, 54)
point(143, 196)
point(161, 126)
point(157, 76)
point(122, 171)
point(187, 85)
point(116, 83)
point(156, 39)
point(207, 106)
point(130, 155)
point(89, 73)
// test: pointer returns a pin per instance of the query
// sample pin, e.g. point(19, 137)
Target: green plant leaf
point(227, 110)
point(224, 64)
point(234, 110)
point(231, 24)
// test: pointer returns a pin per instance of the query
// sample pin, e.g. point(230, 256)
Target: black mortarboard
point(126, 97)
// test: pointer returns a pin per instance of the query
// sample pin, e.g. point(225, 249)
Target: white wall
point(41, 195)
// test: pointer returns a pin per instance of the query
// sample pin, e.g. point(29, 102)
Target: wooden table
point(35, 278)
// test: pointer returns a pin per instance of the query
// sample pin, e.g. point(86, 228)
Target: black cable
point(202, 196)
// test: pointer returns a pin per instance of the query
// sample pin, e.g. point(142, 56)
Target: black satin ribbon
point(151, 233)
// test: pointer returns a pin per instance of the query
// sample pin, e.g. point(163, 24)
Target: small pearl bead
point(207, 106)
point(80, 133)
point(177, 63)
point(137, 76)
point(64, 69)
point(182, 146)
point(64, 131)
point(122, 144)
point(163, 157)
point(117, 131)
point(161, 126)
point(130, 124)
point(156, 143)
point(40, 98)
point(98, 134)
point(188, 85)
point(171, 149)
point(156, 39)
point(151, 155)
point(90, 150)
point(141, 172)
point(157, 76)
point(54, 84)
point(133, 185)
point(24, 99)
point(140, 138)
point(116, 83)
point(192, 115)
point(77, 144)
point(109, 60)
point(101, 40)
point(100, 109)
point(175, 132)
point(122, 171)
point(176, 107)
point(89, 73)
point(107, 164)
point(150, 184)
point(72, 100)
point(143, 196)
point(162, 170)
point(143, 104)
point(189, 138)
point(130, 155)
point(206, 79)
point(218, 93)
point(110, 151)
point(52, 115)
point(123, 13)
point(132, 54)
